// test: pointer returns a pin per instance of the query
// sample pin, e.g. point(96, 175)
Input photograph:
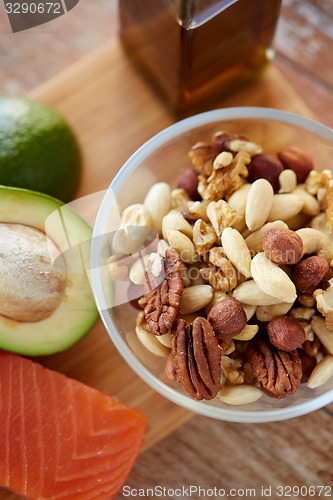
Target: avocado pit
point(32, 273)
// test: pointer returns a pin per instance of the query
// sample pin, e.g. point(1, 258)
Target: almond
point(322, 372)
point(285, 206)
point(271, 279)
point(258, 204)
point(158, 203)
point(311, 204)
point(285, 333)
point(237, 251)
point(309, 273)
point(174, 220)
point(227, 318)
point(298, 161)
point(249, 293)
point(323, 333)
point(182, 244)
point(195, 298)
point(255, 240)
point(239, 394)
point(283, 246)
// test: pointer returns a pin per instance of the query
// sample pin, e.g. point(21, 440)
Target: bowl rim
point(172, 131)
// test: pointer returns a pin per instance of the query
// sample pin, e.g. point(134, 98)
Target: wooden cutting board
point(113, 111)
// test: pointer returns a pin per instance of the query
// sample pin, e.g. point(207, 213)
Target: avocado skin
point(77, 312)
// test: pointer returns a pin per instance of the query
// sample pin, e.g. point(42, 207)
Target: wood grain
point(91, 95)
point(245, 456)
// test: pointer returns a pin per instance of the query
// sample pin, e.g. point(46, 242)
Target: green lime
point(38, 150)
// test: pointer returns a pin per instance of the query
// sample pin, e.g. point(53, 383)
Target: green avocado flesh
point(74, 313)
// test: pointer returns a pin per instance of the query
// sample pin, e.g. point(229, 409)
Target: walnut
point(312, 347)
point(179, 199)
point(224, 182)
point(302, 313)
point(223, 280)
point(309, 333)
point(316, 181)
point(204, 237)
point(220, 274)
point(324, 301)
point(195, 210)
point(278, 372)
point(227, 346)
point(328, 201)
point(203, 154)
point(232, 369)
point(222, 215)
point(306, 300)
point(163, 302)
point(196, 358)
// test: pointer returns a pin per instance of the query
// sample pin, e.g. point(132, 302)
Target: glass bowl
point(160, 159)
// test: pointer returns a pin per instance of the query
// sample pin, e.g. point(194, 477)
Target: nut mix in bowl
point(214, 279)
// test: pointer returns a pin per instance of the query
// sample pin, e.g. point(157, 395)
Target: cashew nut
point(316, 242)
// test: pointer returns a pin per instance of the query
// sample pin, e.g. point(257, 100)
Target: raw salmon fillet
point(60, 439)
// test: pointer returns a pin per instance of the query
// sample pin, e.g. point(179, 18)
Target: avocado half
point(75, 312)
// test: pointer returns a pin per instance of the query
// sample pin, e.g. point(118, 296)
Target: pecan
point(163, 301)
point(195, 358)
point(278, 372)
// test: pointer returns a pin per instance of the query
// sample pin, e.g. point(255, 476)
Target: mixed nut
point(237, 293)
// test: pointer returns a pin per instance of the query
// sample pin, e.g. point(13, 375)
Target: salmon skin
point(60, 439)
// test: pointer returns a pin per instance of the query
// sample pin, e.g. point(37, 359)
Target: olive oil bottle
point(197, 51)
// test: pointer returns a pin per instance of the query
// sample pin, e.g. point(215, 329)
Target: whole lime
point(38, 149)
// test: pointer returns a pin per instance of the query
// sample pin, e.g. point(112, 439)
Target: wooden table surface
point(206, 453)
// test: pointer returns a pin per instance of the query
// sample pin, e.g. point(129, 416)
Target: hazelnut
point(227, 318)
point(265, 166)
point(188, 180)
point(286, 333)
point(283, 246)
point(297, 160)
point(309, 273)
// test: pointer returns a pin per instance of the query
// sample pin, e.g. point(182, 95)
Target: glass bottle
point(197, 51)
